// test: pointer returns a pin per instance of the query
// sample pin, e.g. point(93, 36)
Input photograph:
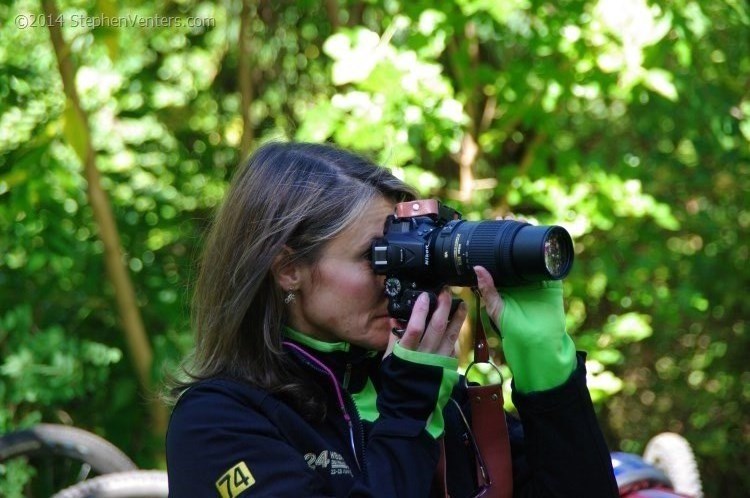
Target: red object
point(645, 490)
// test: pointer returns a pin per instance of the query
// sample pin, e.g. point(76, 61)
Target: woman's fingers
point(513, 217)
point(433, 335)
point(393, 338)
point(439, 335)
point(448, 345)
point(416, 326)
point(492, 300)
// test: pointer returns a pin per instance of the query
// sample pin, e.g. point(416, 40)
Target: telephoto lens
point(513, 252)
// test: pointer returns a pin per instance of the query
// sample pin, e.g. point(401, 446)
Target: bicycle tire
point(672, 454)
point(133, 484)
point(65, 441)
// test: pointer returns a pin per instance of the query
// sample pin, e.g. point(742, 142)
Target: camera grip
point(402, 307)
point(455, 302)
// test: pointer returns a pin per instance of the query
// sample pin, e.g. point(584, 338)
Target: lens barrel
point(513, 252)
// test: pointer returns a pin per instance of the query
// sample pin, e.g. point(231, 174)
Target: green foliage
point(626, 122)
point(46, 367)
point(13, 478)
point(41, 370)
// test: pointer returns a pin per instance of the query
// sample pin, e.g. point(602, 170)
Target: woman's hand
point(439, 336)
point(531, 322)
point(491, 298)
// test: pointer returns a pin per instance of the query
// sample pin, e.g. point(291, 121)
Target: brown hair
point(296, 195)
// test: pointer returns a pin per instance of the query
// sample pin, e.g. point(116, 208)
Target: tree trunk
point(138, 345)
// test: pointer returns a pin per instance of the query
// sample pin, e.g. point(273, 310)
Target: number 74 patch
point(235, 480)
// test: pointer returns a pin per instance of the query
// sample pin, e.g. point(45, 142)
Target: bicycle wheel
point(672, 454)
point(60, 456)
point(134, 484)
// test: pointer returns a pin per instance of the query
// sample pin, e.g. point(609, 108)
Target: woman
point(298, 387)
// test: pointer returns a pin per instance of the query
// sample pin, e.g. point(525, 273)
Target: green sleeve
point(538, 350)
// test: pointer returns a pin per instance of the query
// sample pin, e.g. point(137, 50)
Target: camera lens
point(513, 252)
point(556, 255)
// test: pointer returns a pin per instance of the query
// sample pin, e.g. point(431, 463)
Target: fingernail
point(423, 299)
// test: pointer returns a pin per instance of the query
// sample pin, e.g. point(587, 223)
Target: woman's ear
point(286, 272)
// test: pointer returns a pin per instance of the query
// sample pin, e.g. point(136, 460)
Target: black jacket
point(379, 438)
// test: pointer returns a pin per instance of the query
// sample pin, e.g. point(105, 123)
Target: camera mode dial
point(392, 287)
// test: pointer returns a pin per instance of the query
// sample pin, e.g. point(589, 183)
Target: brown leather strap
point(440, 479)
point(481, 350)
point(488, 421)
point(491, 434)
point(490, 430)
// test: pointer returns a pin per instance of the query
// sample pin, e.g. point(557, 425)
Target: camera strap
point(490, 430)
point(488, 422)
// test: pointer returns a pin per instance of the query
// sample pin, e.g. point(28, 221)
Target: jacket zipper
point(360, 426)
point(318, 366)
point(347, 375)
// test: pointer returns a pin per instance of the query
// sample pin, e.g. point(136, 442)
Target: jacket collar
point(350, 364)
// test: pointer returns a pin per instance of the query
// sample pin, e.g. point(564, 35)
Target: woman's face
point(340, 298)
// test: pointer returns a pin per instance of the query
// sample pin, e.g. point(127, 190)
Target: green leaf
point(109, 35)
point(629, 327)
point(355, 53)
point(319, 122)
point(75, 130)
point(662, 82)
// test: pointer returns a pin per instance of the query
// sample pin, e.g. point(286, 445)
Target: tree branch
point(523, 167)
point(467, 157)
point(245, 76)
point(332, 9)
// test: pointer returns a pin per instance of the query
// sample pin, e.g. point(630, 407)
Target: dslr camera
point(426, 245)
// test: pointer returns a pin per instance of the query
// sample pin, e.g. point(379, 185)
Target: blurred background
point(626, 121)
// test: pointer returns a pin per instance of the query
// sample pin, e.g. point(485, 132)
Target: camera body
point(427, 245)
